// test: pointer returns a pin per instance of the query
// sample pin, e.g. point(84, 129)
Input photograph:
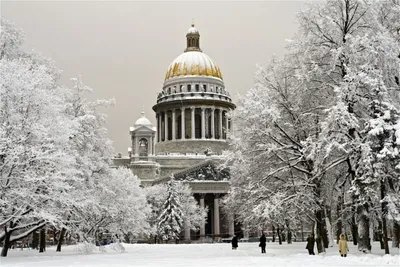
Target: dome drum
point(203, 96)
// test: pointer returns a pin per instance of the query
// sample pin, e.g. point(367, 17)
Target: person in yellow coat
point(343, 248)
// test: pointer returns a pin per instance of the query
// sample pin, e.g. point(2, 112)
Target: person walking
point(263, 243)
point(310, 244)
point(343, 248)
point(234, 242)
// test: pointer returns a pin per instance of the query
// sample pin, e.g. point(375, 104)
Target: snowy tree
point(105, 199)
point(170, 221)
point(192, 215)
point(121, 207)
point(300, 139)
point(34, 130)
point(55, 157)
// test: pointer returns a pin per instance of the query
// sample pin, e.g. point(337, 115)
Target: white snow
point(218, 254)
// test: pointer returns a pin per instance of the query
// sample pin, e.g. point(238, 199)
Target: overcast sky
point(123, 49)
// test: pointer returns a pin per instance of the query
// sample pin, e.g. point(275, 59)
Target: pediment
point(143, 128)
point(205, 171)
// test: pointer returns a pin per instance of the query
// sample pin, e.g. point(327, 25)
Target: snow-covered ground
point(248, 254)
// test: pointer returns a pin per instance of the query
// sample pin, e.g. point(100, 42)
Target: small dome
point(193, 30)
point(143, 121)
point(193, 63)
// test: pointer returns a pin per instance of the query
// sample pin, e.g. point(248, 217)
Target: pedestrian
point(343, 248)
point(263, 243)
point(310, 244)
point(234, 242)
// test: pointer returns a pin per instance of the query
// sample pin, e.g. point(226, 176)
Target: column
point(202, 226)
point(166, 125)
point(203, 123)
point(212, 123)
point(159, 127)
point(150, 152)
point(226, 125)
point(183, 129)
point(187, 232)
point(193, 136)
point(216, 214)
point(231, 222)
point(220, 123)
point(173, 125)
point(136, 146)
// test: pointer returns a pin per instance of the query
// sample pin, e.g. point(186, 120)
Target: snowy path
point(207, 255)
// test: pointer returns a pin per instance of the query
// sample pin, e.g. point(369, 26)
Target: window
point(205, 87)
point(197, 88)
point(181, 88)
point(169, 90)
point(143, 147)
point(189, 88)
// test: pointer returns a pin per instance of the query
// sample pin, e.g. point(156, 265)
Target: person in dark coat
point(263, 243)
point(310, 244)
point(234, 242)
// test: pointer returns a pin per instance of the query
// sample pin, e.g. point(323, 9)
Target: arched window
point(143, 147)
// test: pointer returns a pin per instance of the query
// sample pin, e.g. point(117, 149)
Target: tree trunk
point(273, 233)
point(327, 230)
point(354, 229)
point(339, 225)
point(396, 235)
point(35, 240)
point(6, 244)
point(379, 236)
point(279, 235)
point(61, 239)
point(364, 242)
point(320, 231)
point(385, 235)
point(42, 242)
point(384, 213)
point(289, 236)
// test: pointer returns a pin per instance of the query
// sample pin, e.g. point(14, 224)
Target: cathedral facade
point(190, 135)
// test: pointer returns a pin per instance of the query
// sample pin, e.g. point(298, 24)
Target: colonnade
point(216, 219)
point(199, 128)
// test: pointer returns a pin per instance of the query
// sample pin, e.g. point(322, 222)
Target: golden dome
point(193, 63)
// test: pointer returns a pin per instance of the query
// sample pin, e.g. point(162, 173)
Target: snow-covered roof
point(193, 63)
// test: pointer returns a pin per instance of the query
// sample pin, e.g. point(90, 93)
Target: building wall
point(191, 146)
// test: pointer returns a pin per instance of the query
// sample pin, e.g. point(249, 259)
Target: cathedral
point(189, 137)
